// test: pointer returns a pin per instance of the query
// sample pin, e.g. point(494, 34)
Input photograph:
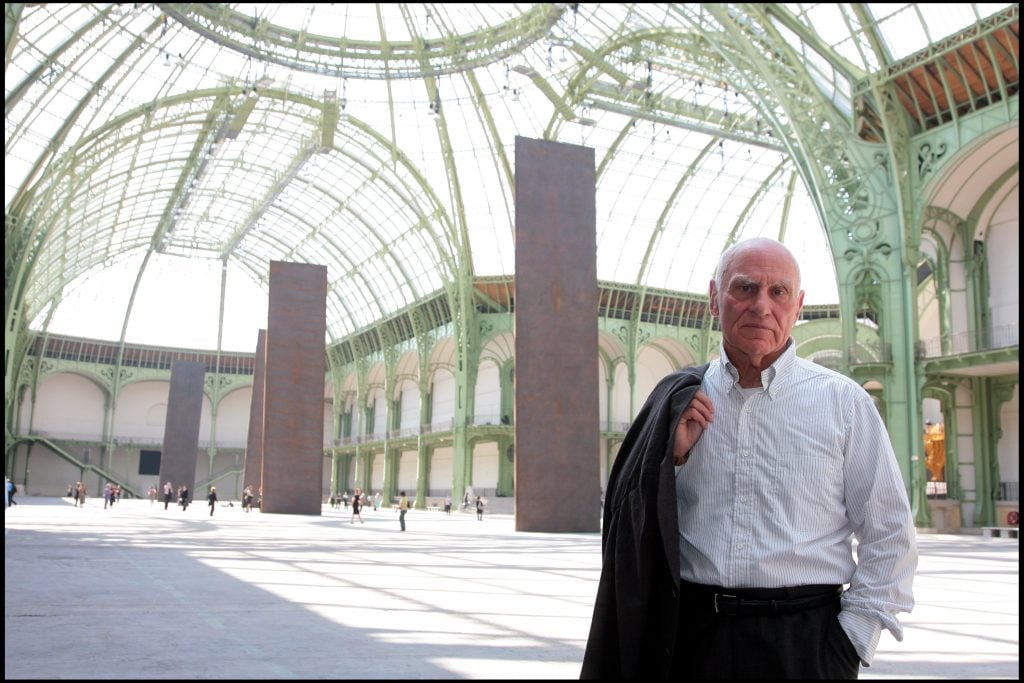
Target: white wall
point(621, 412)
point(408, 472)
point(410, 405)
point(1003, 249)
point(233, 418)
point(441, 469)
point(443, 409)
point(377, 473)
point(485, 465)
point(142, 411)
point(487, 402)
point(380, 408)
point(652, 365)
point(67, 406)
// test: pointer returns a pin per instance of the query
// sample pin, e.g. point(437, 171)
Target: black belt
point(756, 601)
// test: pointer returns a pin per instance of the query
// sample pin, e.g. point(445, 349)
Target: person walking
point(777, 466)
point(12, 489)
point(357, 506)
point(80, 494)
point(403, 507)
point(183, 497)
point(479, 508)
point(448, 505)
point(168, 493)
point(211, 499)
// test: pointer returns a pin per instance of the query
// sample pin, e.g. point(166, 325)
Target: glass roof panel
point(206, 135)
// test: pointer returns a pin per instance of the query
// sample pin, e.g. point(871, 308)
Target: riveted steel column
point(293, 415)
point(557, 467)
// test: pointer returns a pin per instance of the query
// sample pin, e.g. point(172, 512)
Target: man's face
point(759, 302)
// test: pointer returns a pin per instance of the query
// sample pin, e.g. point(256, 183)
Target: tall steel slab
point(557, 463)
point(293, 414)
point(181, 428)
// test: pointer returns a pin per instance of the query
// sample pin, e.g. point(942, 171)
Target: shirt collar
point(776, 371)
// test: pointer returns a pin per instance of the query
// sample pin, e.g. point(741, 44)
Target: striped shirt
point(781, 483)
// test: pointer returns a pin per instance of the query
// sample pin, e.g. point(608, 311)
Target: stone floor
point(139, 592)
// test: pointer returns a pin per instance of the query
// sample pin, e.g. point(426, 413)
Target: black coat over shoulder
point(633, 630)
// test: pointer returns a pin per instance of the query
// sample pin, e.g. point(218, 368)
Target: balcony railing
point(999, 337)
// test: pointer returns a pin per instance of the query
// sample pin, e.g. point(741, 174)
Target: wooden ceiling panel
point(966, 79)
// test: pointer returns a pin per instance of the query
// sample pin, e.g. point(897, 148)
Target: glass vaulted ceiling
point(161, 155)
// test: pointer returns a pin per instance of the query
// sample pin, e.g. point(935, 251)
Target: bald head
point(757, 298)
point(756, 244)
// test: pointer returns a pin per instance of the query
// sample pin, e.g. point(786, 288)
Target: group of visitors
point(111, 494)
point(76, 492)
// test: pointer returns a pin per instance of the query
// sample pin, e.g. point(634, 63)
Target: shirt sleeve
point(886, 548)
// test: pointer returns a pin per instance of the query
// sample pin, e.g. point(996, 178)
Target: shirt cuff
point(863, 631)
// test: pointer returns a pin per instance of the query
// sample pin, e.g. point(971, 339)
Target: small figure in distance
point(403, 507)
point(357, 506)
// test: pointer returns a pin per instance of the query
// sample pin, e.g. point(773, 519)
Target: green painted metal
point(870, 197)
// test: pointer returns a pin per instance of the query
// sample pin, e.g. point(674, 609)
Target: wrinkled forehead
point(764, 264)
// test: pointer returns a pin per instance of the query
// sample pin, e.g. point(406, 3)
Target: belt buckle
point(731, 608)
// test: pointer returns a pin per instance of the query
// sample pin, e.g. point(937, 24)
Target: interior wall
point(376, 473)
point(621, 389)
point(443, 409)
point(67, 405)
point(487, 402)
point(410, 405)
point(408, 472)
point(485, 465)
point(441, 469)
point(1003, 251)
point(233, 418)
point(652, 365)
point(141, 411)
point(380, 408)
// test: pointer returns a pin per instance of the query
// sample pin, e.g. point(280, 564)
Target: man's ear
point(713, 298)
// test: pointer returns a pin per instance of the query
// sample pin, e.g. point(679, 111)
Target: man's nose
point(762, 303)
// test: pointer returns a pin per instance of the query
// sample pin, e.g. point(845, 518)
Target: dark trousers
point(401, 518)
point(748, 644)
